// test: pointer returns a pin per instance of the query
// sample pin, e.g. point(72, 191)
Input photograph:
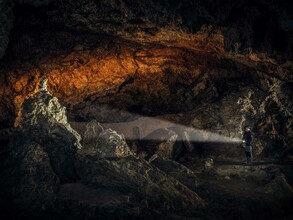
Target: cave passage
point(140, 109)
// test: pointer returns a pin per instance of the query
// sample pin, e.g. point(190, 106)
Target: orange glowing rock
point(153, 63)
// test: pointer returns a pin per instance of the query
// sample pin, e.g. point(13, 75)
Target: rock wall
point(111, 70)
point(261, 25)
point(48, 173)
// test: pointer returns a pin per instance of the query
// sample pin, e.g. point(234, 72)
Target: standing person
point(247, 138)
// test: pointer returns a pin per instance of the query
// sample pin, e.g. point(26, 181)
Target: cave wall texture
point(225, 63)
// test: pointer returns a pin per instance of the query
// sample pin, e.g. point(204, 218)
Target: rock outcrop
point(149, 189)
point(176, 170)
point(241, 21)
point(42, 153)
point(167, 78)
point(161, 142)
point(104, 143)
point(278, 187)
point(210, 65)
point(48, 171)
point(42, 109)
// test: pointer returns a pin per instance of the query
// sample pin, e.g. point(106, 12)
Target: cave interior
point(123, 109)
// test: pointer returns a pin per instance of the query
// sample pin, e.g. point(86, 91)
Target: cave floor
point(235, 190)
point(232, 189)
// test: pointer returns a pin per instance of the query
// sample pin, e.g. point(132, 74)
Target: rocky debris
point(42, 153)
point(277, 187)
point(93, 129)
point(147, 187)
point(270, 178)
point(44, 109)
point(161, 142)
point(129, 72)
point(104, 143)
point(176, 170)
point(242, 189)
point(80, 201)
point(44, 117)
point(47, 173)
point(29, 181)
point(208, 163)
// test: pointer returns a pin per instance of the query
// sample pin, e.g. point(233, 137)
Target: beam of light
point(197, 135)
point(157, 129)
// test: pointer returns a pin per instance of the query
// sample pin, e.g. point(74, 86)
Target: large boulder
point(46, 173)
point(104, 143)
point(277, 187)
point(42, 152)
point(176, 170)
point(44, 109)
point(29, 181)
point(161, 142)
point(149, 190)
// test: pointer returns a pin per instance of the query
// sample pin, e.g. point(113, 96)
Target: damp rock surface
point(147, 187)
point(176, 170)
point(104, 143)
point(42, 153)
point(47, 173)
point(161, 142)
point(214, 66)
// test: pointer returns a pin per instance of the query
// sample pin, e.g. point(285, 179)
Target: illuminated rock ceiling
point(150, 58)
point(136, 91)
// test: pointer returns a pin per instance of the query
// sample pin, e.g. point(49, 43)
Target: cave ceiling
point(146, 57)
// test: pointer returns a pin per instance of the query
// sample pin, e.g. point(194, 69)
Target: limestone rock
point(161, 142)
point(208, 163)
point(46, 171)
point(93, 129)
point(42, 152)
point(277, 187)
point(104, 143)
point(146, 186)
point(30, 180)
point(176, 170)
point(45, 109)
point(148, 66)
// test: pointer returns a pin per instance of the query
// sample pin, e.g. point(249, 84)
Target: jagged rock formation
point(93, 129)
point(243, 22)
point(42, 109)
point(278, 187)
point(42, 153)
point(153, 77)
point(207, 64)
point(176, 170)
point(49, 172)
point(149, 190)
point(161, 142)
point(104, 143)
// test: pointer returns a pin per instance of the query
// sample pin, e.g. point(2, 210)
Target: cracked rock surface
point(48, 172)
